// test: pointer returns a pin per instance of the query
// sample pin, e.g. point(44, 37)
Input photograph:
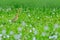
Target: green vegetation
point(29, 20)
point(37, 24)
point(30, 3)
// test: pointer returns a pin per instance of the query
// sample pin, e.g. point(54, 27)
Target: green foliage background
point(30, 3)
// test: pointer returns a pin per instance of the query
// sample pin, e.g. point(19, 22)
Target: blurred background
point(30, 3)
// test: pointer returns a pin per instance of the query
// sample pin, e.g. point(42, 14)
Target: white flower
point(0, 35)
point(35, 32)
point(50, 37)
point(34, 38)
point(19, 28)
point(29, 15)
point(30, 30)
point(56, 26)
point(7, 36)
point(3, 31)
point(46, 28)
point(11, 32)
point(53, 37)
point(17, 36)
point(33, 29)
point(23, 23)
point(43, 34)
